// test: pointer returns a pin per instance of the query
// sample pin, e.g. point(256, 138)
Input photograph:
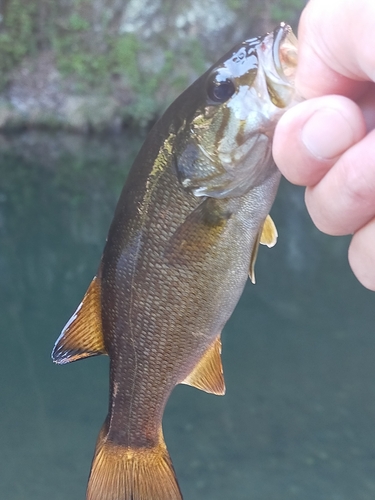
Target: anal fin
point(208, 373)
point(82, 335)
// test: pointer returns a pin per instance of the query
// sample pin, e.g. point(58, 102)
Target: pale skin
point(327, 142)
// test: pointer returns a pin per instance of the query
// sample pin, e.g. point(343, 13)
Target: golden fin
point(123, 473)
point(267, 236)
point(208, 373)
point(82, 335)
point(269, 233)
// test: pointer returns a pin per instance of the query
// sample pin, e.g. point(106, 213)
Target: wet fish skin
point(182, 241)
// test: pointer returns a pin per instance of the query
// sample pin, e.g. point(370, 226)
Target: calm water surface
point(298, 420)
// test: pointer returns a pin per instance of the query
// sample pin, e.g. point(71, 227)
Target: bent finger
point(312, 135)
point(344, 200)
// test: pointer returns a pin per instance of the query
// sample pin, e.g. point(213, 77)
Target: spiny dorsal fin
point(269, 233)
point(208, 373)
point(82, 335)
point(267, 236)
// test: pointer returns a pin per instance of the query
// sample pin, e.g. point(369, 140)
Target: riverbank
point(101, 66)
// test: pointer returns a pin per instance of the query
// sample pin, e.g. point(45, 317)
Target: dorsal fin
point(82, 335)
point(208, 373)
point(267, 236)
point(269, 233)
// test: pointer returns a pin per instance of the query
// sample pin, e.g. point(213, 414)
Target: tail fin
point(120, 473)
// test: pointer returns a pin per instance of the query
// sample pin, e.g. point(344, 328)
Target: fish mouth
point(285, 52)
point(279, 62)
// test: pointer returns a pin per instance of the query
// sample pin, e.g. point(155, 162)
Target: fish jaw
point(257, 107)
point(278, 59)
point(226, 148)
point(285, 52)
point(266, 96)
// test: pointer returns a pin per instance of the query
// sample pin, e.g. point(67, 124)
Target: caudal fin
point(121, 473)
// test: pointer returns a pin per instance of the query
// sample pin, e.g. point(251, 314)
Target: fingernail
point(327, 134)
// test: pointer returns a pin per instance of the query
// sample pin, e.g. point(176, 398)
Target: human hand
point(327, 142)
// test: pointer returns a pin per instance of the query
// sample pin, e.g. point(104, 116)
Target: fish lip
point(284, 52)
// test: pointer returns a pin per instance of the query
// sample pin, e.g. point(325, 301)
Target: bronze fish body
point(183, 240)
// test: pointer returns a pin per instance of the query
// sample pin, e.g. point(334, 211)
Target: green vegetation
point(74, 56)
point(17, 35)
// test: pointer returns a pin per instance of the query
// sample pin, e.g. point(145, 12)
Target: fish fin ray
point(196, 236)
point(269, 233)
point(208, 373)
point(82, 336)
point(267, 236)
point(125, 473)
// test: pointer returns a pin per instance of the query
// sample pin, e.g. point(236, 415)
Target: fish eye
point(220, 88)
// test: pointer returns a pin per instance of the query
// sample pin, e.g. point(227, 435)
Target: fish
point(183, 241)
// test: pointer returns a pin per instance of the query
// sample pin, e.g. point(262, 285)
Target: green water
point(298, 419)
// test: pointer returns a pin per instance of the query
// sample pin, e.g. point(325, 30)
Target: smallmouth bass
point(184, 238)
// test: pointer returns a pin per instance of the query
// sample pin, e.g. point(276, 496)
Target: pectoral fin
point(267, 236)
point(208, 373)
point(269, 233)
point(82, 335)
point(199, 232)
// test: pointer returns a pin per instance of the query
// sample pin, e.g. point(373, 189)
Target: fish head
point(224, 148)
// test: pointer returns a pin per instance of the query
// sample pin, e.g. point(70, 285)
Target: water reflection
point(298, 417)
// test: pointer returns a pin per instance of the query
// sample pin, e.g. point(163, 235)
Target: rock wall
point(99, 64)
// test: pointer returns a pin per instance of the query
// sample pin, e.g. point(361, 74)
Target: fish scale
point(183, 240)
